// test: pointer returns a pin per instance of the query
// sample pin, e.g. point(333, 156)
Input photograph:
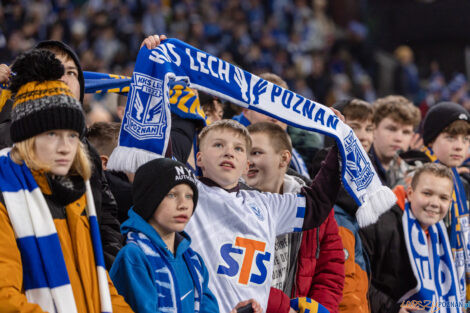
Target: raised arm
point(321, 195)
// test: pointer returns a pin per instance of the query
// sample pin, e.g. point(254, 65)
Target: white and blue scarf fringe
point(165, 279)
point(45, 278)
point(146, 126)
point(432, 263)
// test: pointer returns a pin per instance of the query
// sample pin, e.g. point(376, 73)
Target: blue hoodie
point(132, 272)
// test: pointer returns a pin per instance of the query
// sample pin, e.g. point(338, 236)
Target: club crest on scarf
point(146, 118)
point(176, 60)
point(357, 166)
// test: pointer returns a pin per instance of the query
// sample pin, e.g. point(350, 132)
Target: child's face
point(390, 137)
point(430, 199)
point(57, 149)
point(223, 157)
point(174, 211)
point(450, 149)
point(364, 130)
point(267, 167)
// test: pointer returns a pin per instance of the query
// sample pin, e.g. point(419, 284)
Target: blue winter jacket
point(132, 272)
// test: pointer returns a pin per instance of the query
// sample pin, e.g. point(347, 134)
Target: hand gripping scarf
point(146, 126)
point(459, 230)
point(45, 278)
point(432, 263)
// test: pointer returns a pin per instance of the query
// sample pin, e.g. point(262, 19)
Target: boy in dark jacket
point(405, 243)
point(104, 138)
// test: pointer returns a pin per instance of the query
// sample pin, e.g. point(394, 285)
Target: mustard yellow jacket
point(73, 230)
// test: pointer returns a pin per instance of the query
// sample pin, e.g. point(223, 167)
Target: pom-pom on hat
point(155, 179)
point(41, 101)
point(439, 117)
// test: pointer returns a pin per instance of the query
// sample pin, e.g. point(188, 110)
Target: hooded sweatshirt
point(133, 275)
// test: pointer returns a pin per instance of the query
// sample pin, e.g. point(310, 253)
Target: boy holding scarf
point(409, 249)
point(239, 224)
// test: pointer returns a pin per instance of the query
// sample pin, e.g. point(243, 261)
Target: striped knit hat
point(41, 101)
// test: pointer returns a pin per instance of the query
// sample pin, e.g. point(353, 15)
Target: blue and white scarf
point(105, 83)
point(432, 263)
point(459, 230)
point(45, 278)
point(164, 277)
point(147, 123)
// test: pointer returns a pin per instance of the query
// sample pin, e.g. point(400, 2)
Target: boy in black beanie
point(157, 270)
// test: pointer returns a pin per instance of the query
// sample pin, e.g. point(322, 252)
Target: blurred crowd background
point(325, 50)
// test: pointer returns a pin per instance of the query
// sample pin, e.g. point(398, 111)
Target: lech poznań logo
point(146, 116)
point(356, 165)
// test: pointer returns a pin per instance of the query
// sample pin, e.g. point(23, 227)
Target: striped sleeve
point(288, 211)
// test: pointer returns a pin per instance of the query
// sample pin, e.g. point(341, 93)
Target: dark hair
point(277, 136)
point(207, 101)
point(104, 137)
point(436, 169)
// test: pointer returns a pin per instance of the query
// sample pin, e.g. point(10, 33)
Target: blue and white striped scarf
point(432, 263)
point(164, 277)
point(45, 278)
point(459, 229)
point(145, 130)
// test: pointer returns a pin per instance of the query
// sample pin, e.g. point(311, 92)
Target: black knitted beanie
point(41, 101)
point(439, 117)
point(155, 179)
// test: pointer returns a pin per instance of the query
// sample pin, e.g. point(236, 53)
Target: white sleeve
point(287, 211)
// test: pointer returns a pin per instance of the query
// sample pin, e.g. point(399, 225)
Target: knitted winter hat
point(41, 101)
point(439, 117)
point(47, 44)
point(155, 179)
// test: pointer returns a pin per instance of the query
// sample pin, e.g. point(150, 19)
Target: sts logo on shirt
point(250, 249)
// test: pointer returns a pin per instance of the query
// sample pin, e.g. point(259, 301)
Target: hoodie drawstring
point(317, 254)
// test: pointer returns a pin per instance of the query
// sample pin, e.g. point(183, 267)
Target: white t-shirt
point(235, 234)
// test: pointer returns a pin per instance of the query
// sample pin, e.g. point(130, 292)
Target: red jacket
point(320, 270)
